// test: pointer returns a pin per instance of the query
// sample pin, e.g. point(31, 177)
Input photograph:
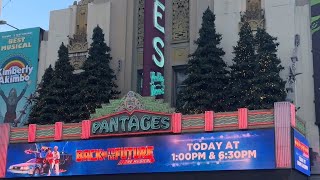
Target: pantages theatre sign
point(154, 46)
point(125, 122)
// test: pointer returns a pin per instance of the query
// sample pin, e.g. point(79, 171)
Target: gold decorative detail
point(131, 102)
point(78, 45)
point(253, 5)
point(254, 15)
point(84, 2)
point(141, 23)
point(82, 16)
point(77, 61)
point(180, 20)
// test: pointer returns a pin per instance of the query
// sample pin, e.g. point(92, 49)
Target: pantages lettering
point(157, 87)
point(137, 122)
point(15, 74)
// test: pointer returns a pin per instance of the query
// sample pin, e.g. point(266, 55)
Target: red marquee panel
point(4, 142)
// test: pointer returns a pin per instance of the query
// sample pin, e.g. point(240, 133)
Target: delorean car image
point(35, 166)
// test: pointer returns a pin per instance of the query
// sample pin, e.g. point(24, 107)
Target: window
point(140, 81)
point(179, 76)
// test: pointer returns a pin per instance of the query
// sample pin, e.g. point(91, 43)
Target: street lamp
point(3, 22)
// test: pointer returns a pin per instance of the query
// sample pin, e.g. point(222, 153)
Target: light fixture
point(3, 22)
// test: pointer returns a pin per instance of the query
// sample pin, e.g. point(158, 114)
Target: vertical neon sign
point(154, 60)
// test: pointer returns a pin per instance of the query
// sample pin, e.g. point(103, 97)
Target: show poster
point(301, 153)
point(19, 53)
point(239, 150)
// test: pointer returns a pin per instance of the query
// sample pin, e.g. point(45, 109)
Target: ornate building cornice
point(254, 15)
point(78, 44)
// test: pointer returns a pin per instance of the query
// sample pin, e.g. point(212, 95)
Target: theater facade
point(129, 30)
point(141, 137)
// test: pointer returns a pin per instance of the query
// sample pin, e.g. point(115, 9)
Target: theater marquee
point(238, 150)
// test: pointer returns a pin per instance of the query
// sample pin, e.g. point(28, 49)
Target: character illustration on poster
point(11, 102)
point(15, 74)
point(46, 162)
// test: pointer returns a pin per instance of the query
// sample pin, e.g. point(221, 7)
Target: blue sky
point(30, 13)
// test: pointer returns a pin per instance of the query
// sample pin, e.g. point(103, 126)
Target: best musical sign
point(19, 56)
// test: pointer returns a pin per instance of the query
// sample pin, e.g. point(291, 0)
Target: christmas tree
point(97, 82)
point(207, 75)
point(54, 97)
point(243, 71)
point(63, 85)
point(38, 100)
point(270, 87)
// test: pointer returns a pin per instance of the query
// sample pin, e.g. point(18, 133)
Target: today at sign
point(213, 146)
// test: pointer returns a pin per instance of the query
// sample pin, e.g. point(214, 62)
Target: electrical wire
point(6, 4)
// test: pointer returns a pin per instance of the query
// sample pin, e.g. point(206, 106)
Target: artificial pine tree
point(270, 87)
point(97, 82)
point(56, 92)
point(243, 71)
point(207, 75)
point(36, 115)
point(62, 87)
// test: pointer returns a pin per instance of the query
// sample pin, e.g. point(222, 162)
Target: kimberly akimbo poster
point(19, 53)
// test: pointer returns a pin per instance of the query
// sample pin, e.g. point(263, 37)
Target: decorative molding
point(181, 123)
point(78, 48)
point(254, 15)
point(133, 101)
point(84, 2)
point(140, 23)
point(78, 44)
point(77, 61)
point(180, 20)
